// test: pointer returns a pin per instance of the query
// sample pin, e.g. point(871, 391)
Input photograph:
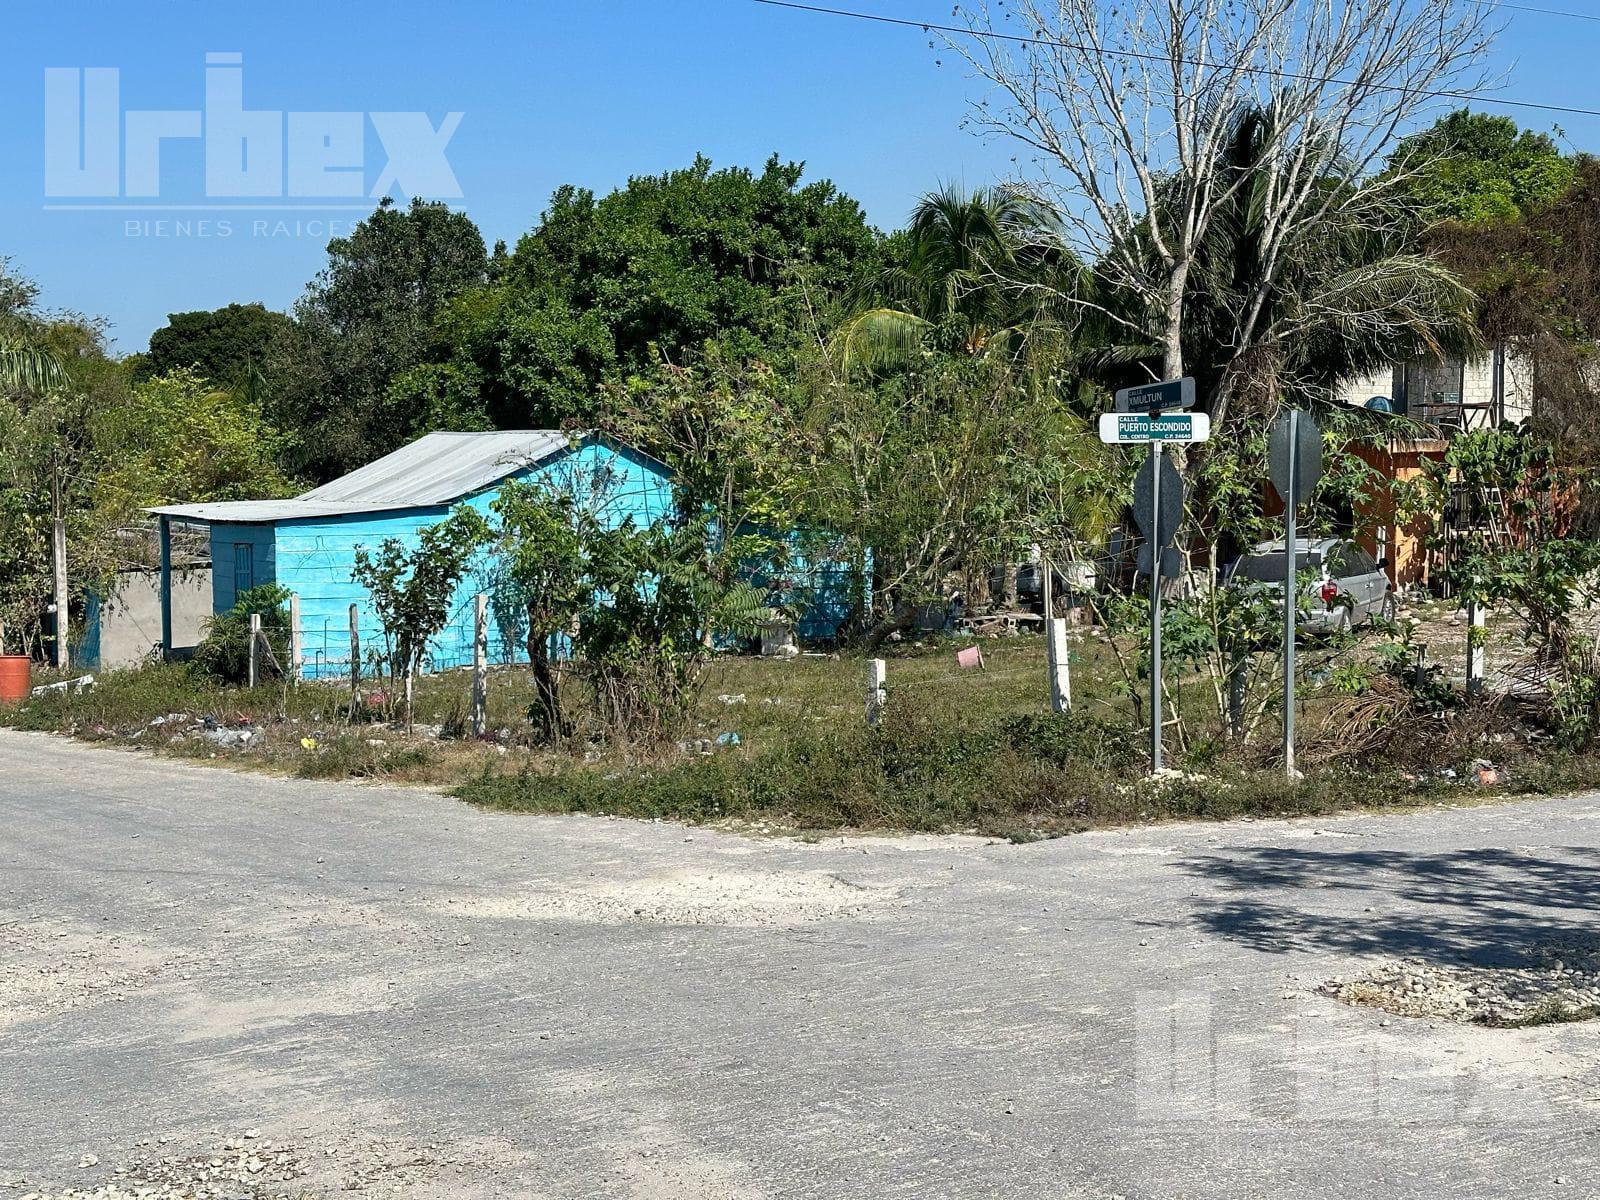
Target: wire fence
point(325, 651)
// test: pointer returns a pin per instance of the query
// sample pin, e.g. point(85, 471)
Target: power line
point(1026, 40)
point(1549, 12)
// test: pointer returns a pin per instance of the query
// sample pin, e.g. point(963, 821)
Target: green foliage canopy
point(229, 345)
point(365, 320)
point(1475, 168)
point(658, 270)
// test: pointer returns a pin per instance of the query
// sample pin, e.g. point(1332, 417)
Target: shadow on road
point(1486, 907)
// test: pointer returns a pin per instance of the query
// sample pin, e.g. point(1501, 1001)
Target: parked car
point(1348, 585)
point(1069, 579)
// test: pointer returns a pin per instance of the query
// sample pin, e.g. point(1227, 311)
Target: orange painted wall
point(1378, 529)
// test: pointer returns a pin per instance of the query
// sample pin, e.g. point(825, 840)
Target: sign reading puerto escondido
point(1165, 427)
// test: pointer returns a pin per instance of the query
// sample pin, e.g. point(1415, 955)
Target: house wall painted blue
point(313, 556)
point(242, 556)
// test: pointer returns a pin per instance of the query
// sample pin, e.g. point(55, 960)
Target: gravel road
point(284, 988)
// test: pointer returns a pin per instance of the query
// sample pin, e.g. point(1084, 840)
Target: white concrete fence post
point(1060, 667)
point(296, 650)
point(480, 665)
point(877, 690)
point(255, 648)
point(1477, 626)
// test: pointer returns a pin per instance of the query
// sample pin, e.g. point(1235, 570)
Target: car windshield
point(1268, 568)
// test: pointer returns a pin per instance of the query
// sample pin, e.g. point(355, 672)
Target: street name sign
point(1160, 427)
point(1156, 397)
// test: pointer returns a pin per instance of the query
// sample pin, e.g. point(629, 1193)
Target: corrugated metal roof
point(440, 467)
point(250, 512)
point(435, 469)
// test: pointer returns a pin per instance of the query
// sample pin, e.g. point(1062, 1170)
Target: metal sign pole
point(1155, 609)
point(1290, 590)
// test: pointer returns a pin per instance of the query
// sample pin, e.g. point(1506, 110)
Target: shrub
point(225, 652)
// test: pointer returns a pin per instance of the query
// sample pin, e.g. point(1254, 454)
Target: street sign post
point(1157, 510)
point(1150, 415)
point(1125, 428)
point(1157, 397)
point(1294, 463)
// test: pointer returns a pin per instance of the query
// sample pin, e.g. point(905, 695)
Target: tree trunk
point(1172, 320)
point(977, 587)
point(1008, 586)
point(1172, 357)
point(898, 620)
point(550, 724)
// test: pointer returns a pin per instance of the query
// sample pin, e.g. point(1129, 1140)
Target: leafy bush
point(1063, 738)
point(664, 600)
point(225, 652)
point(412, 587)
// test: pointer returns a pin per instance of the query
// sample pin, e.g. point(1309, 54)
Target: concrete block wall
point(1426, 382)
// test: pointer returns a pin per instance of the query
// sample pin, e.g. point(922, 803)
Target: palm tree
point(25, 368)
point(1354, 295)
point(960, 261)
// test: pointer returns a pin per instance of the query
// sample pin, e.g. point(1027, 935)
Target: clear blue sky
point(585, 91)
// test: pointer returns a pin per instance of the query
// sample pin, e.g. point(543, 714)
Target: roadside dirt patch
point(712, 897)
point(250, 1166)
point(1549, 985)
point(47, 967)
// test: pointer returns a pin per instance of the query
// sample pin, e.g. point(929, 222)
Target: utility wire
point(1026, 40)
point(1549, 12)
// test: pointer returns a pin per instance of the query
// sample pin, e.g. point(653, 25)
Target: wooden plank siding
point(315, 557)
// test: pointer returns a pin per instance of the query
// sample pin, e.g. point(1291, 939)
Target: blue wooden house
point(307, 544)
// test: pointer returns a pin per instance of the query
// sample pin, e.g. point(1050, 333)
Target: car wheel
point(1389, 608)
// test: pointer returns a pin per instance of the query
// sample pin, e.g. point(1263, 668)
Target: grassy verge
point(1020, 778)
point(958, 750)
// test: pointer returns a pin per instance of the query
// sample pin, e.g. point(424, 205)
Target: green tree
point(661, 269)
point(1475, 168)
point(663, 604)
point(932, 475)
point(542, 575)
point(25, 366)
point(179, 440)
point(954, 282)
point(729, 434)
point(229, 345)
point(412, 587)
point(1537, 283)
point(56, 381)
point(364, 321)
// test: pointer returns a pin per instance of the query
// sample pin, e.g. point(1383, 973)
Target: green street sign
point(1138, 427)
point(1156, 397)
